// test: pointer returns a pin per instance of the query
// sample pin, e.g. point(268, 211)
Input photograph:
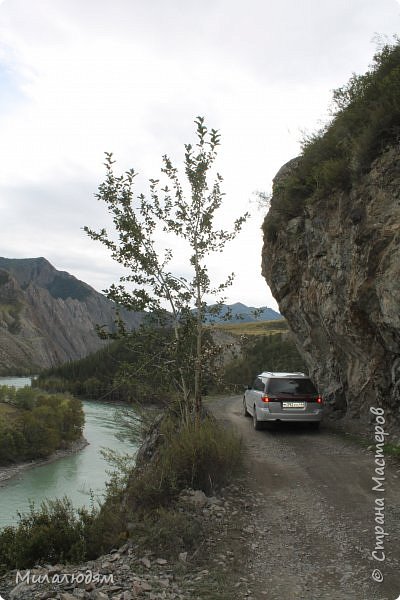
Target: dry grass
point(254, 328)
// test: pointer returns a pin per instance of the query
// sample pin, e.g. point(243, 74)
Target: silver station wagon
point(282, 397)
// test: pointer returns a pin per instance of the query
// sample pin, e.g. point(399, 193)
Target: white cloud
point(80, 78)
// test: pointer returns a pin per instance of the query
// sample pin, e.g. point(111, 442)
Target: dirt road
point(312, 522)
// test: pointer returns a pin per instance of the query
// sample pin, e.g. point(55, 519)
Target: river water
point(76, 475)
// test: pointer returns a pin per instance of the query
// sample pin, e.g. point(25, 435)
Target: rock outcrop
point(48, 317)
point(335, 271)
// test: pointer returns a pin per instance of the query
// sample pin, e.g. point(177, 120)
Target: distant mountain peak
point(244, 313)
point(238, 306)
point(41, 273)
point(48, 316)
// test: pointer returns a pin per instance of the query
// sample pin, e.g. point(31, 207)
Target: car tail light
point(319, 400)
point(266, 399)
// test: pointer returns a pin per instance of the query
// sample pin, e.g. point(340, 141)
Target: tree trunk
point(198, 368)
point(198, 361)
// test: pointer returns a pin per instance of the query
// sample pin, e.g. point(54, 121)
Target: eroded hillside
point(48, 317)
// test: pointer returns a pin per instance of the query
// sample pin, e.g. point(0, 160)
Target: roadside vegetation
point(145, 228)
point(171, 359)
point(272, 352)
point(142, 503)
point(365, 120)
point(392, 450)
point(34, 424)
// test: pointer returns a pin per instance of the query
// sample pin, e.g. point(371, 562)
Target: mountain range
point(48, 317)
point(241, 313)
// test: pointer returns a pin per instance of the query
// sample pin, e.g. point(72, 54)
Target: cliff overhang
point(334, 269)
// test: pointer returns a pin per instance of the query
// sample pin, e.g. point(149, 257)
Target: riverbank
point(9, 472)
point(213, 568)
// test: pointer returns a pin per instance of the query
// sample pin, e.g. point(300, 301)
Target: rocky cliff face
point(47, 316)
point(335, 272)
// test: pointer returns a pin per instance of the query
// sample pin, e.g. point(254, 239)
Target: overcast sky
point(81, 77)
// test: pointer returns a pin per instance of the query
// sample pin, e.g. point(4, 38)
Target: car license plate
point(293, 404)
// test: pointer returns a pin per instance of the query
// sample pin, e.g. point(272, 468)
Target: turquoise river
point(77, 475)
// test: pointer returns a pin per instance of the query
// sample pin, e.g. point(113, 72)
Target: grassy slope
point(259, 328)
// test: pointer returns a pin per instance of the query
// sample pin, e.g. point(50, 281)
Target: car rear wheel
point(245, 411)
point(256, 423)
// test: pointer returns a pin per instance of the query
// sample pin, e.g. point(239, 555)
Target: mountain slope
point(246, 314)
point(47, 316)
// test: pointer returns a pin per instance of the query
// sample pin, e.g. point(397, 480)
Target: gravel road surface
point(313, 517)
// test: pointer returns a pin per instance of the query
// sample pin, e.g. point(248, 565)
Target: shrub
point(39, 424)
point(271, 227)
point(366, 118)
point(7, 393)
point(25, 398)
point(8, 448)
point(53, 533)
point(104, 528)
point(56, 532)
point(165, 530)
point(201, 456)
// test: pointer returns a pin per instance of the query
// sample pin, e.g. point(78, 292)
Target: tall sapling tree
point(141, 222)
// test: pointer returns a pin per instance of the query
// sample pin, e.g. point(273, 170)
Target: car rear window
point(295, 387)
